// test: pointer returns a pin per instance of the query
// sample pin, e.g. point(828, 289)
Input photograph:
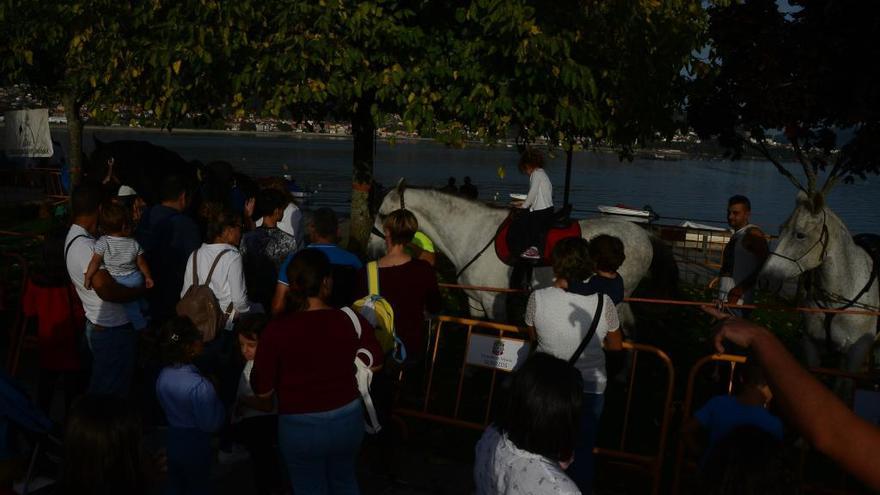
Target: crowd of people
point(272, 374)
point(224, 318)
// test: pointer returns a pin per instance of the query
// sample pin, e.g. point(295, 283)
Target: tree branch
point(762, 149)
point(808, 171)
point(834, 176)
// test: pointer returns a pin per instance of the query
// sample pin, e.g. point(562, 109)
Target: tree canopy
point(809, 73)
point(572, 71)
point(586, 71)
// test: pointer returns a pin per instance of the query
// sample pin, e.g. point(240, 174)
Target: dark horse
point(138, 164)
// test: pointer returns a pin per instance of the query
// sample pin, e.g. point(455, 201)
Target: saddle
point(560, 228)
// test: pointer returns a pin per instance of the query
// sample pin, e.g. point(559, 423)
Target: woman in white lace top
point(527, 450)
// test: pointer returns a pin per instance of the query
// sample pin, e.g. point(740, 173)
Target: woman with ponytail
point(305, 358)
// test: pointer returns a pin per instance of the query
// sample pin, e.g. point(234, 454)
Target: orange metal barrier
point(650, 463)
point(16, 332)
point(442, 326)
point(733, 360)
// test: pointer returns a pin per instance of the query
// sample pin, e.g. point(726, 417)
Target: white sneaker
point(531, 253)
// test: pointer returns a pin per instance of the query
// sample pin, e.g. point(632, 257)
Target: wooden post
point(568, 154)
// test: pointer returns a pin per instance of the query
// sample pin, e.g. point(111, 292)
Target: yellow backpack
point(378, 311)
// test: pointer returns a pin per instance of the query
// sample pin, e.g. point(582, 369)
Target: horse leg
point(854, 362)
point(811, 352)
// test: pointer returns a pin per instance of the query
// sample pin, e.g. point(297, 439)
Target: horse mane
point(454, 196)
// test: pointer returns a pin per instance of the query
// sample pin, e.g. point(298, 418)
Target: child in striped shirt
point(123, 258)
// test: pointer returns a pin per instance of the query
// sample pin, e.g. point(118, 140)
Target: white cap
point(126, 191)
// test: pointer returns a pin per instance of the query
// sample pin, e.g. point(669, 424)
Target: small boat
point(701, 226)
point(622, 210)
point(300, 195)
point(632, 214)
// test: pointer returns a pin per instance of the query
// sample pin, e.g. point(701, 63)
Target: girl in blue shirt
point(192, 408)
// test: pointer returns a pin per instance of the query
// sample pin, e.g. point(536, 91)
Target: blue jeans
point(189, 462)
point(583, 469)
point(113, 355)
point(135, 310)
point(320, 449)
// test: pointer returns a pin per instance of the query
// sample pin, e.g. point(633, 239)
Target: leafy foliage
point(582, 70)
point(806, 72)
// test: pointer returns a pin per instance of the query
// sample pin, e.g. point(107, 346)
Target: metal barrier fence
point(682, 464)
point(650, 463)
point(45, 181)
point(15, 332)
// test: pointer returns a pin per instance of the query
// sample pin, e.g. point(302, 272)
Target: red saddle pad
point(502, 249)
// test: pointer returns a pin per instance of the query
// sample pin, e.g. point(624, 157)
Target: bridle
point(823, 241)
point(378, 232)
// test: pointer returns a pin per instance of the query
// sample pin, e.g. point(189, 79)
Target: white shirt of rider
point(540, 191)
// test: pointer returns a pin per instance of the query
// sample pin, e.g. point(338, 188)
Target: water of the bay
point(687, 189)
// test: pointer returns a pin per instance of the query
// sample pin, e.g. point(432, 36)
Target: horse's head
point(803, 240)
point(394, 200)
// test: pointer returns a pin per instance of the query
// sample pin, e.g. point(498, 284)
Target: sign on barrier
point(500, 353)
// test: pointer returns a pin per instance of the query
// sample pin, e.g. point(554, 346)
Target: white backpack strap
point(354, 320)
point(364, 376)
point(371, 426)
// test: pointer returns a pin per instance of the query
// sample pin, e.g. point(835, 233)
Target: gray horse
point(461, 228)
point(814, 241)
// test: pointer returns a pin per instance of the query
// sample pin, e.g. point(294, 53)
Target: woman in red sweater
point(409, 285)
point(305, 358)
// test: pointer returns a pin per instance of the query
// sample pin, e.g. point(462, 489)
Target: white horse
point(814, 238)
point(461, 228)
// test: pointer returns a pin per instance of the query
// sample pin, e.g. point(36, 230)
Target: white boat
point(301, 195)
point(701, 226)
point(628, 212)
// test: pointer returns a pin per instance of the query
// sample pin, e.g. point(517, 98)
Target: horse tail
point(663, 271)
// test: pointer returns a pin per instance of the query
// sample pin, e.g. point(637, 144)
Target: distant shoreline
point(663, 152)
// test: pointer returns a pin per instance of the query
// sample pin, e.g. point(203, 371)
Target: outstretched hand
point(740, 332)
point(734, 295)
point(249, 205)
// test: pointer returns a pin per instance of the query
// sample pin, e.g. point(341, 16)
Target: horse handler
point(743, 256)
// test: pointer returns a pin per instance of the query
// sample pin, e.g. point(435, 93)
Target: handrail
point(677, 302)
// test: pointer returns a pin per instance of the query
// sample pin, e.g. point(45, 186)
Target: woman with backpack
point(305, 359)
point(576, 328)
point(220, 258)
point(408, 284)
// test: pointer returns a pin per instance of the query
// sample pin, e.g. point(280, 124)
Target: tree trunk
point(74, 136)
point(363, 130)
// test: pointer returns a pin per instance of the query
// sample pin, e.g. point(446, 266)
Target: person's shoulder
point(756, 232)
point(181, 220)
point(347, 258)
point(721, 402)
point(421, 265)
point(338, 255)
point(552, 292)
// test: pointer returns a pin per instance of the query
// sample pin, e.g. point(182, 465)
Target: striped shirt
point(119, 253)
